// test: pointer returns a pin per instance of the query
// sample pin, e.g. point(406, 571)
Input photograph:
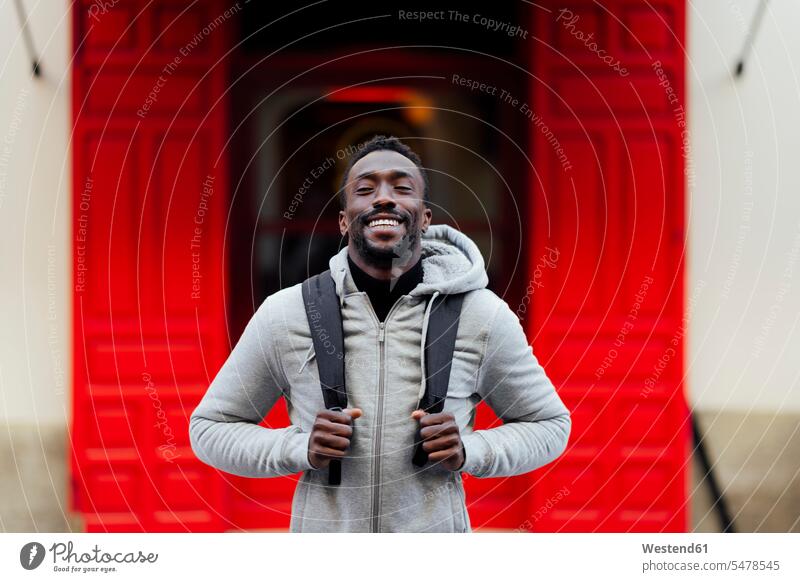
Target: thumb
point(353, 412)
point(417, 414)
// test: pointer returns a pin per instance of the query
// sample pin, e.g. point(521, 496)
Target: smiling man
point(397, 458)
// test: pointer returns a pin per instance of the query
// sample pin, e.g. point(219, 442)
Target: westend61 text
point(672, 549)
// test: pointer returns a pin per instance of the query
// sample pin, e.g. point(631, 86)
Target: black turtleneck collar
point(383, 294)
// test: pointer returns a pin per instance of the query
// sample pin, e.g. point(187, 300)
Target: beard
point(381, 256)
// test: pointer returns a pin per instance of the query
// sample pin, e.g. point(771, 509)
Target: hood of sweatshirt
point(451, 263)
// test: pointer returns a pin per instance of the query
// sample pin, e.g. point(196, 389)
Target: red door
point(608, 135)
point(150, 199)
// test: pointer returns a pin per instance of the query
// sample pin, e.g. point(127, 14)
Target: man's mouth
point(384, 224)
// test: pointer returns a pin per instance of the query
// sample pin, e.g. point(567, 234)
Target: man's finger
point(336, 428)
point(345, 416)
point(434, 419)
point(353, 412)
point(441, 443)
point(333, 441)
point(329, 452)
point(436, 430)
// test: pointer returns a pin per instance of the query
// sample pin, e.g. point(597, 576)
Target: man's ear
point(342, 222)
point(426, 219)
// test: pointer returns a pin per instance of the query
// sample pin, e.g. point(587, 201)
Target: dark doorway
point(299, 105)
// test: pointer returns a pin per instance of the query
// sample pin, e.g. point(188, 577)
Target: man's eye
point(363, 190)
point(404, 188)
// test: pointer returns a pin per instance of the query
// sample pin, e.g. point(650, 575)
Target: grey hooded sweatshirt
point(381, 490)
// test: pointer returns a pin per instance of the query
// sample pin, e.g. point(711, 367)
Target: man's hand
point(441, 439)
point(330, 436)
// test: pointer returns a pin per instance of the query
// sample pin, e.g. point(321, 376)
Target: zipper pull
point(381, 332)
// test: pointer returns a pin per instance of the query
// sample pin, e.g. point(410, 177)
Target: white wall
point(744, 208)
point(34, 223)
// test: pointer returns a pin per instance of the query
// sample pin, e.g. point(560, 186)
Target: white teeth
point(384, 222)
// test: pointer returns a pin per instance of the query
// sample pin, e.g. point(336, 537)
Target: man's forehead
point(384, 161)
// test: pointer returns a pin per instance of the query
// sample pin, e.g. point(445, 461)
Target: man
point(394, 265)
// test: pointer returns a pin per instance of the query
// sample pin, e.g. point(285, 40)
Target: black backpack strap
point(325, 322)
point(440, 342)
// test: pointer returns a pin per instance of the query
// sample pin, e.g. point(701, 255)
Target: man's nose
point(383, 195)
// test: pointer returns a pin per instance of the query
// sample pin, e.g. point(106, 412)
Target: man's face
point(385, 186)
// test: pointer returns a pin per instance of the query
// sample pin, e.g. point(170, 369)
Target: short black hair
point(378, 143)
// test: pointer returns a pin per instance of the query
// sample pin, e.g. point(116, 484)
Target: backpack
point(325, 322)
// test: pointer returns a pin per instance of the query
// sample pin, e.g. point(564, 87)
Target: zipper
point(376, 486)
point(376, 464)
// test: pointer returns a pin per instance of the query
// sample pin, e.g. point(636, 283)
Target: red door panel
point(150, 199)
point(607, 324)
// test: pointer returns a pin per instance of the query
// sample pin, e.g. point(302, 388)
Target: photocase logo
point(31, 555)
